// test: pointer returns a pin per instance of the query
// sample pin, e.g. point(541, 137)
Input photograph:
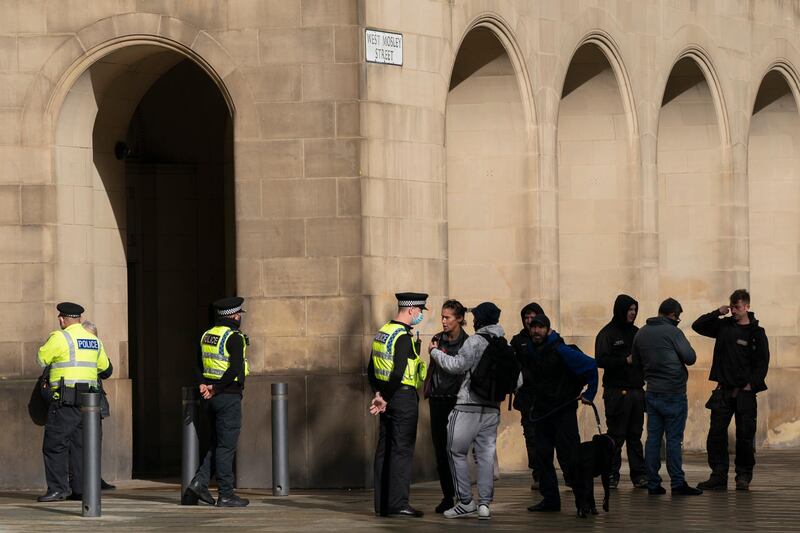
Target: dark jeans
point(63, 447)
point(394, 454)
point(440, 408)
point(665, 413)
point(225, 414)
point(625, 421)
point(558, 431)
point(724, 406)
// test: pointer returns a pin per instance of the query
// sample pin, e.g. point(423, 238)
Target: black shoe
point(104, 485)
point(713, 483)
point(686, 490)
point(658, 491)
point(232, 501)
point(408, 512)
point(54, 496)
point(742, 484)
point(640, 484)
point(75, 497)
point(613, 483)
point(545, 507)
point(200, 492)
point(445, 504)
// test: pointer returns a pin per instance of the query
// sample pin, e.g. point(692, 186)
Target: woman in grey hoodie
point(473, 421)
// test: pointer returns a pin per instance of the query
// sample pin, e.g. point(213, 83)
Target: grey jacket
point(466, 360)
point(664, 353)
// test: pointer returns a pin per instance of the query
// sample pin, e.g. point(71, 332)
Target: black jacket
point(614, 344)
point(741, 353)
point(444, 383)
point(523, 348)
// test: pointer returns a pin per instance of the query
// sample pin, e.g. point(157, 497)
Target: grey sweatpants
point(479, 430)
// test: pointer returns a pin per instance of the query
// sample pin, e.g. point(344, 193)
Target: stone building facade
point(158, 154)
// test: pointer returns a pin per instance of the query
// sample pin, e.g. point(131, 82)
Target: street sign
point(383, 47)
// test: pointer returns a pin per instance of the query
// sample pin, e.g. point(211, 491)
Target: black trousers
point(558, 431)
point(440, 411)
point(625, 420)
point(724, 405)
point(395, 452)
point(225, 415)
point(63, 447)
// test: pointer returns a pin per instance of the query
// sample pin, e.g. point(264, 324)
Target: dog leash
point(563, 405)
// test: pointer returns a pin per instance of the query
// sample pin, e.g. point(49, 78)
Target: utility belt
point(70, 396)
point(406, 387)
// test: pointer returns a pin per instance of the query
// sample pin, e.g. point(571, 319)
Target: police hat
point(411, 299)
point(229, 306)
point(69, 310)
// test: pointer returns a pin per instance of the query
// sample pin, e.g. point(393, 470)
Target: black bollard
point(90, 414)
point(190, 456)
point(280, 439)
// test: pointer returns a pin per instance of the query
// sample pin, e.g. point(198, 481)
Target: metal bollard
point(280, 439)
point(190, 455)
point(90, 414)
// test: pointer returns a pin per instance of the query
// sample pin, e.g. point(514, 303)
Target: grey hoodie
point(664, 353)
point(466, 360)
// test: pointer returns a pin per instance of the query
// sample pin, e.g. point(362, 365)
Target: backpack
point(497, 372)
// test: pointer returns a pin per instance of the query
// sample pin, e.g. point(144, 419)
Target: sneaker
point(613, 483)
point(483, 512)
point(741, 484)
point(713, 483)
point(686, 490)
point(462, 510)
point(232, 501)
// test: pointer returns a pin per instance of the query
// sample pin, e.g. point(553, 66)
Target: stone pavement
point(773, 504)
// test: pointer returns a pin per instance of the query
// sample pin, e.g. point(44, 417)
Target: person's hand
point(378, 404)
point(433, 345)
point(724, 310)
point(629, 359)
point(203, 388)
point(584, 401)
point(209, 392)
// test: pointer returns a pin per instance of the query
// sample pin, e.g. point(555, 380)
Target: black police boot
point(658, 491)
point(232, 501)
point(53, 496)
point(686, 490)
point(713, 483)
point(200, 492)
point(445, 504)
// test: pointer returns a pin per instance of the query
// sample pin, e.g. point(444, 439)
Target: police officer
point(76, 359)
point(396, 372)
point(224, 368)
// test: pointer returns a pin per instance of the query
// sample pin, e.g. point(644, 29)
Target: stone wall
point(552, 151)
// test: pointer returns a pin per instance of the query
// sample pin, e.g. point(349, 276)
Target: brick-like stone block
point(269, 159)
point(332, 157)
point(299, 198)
point(301, 276)
point(346, 43)
point(336, 316)
point(296, 120)
point(348, 119)
point(326, 81)
point(301, 354)
point(266, 13)
point(334, 236)
point(324, 12)
point(296, 45)
point(275, 83)
point(276, 316)
point(9, 204)
point(349, 197)
point(258, 239)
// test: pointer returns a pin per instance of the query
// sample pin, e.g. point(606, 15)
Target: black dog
point(592, 459)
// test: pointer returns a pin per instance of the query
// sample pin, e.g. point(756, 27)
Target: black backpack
point(496, 375)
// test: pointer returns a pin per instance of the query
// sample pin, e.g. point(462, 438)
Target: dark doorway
point(180, 249)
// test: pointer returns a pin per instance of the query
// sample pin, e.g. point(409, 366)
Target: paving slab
point(770, 505)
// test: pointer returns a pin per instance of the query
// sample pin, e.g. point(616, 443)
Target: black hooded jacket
point(741, 353)
point(523, 348)
point(613, 345)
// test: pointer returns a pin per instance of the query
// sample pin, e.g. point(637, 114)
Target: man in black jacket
point(740, 364)
point(623, 388)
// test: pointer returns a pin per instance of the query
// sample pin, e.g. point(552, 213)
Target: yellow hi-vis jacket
point(75, 355)
point(383, 356)
point(216, 359)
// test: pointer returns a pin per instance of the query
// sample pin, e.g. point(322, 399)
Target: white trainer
point(462, 510)
point(483, 512)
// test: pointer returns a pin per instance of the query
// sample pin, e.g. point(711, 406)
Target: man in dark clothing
point(558, 374)
point(223, 368)
point(395, 373)
point(740, 364)
point(441, 389)
point(623, 389)
point(523, 398)
point(664, 353)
